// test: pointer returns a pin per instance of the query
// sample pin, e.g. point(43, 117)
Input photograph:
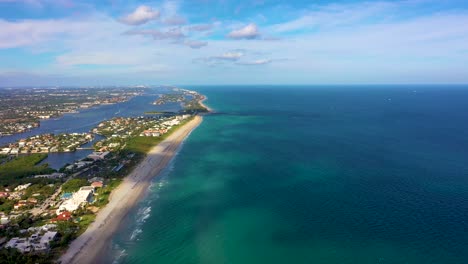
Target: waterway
point(87, 119)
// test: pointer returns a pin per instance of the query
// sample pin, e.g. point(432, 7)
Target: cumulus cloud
point(141, 15)
point(248, 32)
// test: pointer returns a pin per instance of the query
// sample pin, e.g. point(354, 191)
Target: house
point(21, 244)
point(97, 184)
point(36, 242)
point(4, 220)
point(151, 133)
point(54, 175)
point(98, 155)
point(22, 187)
point(96, 179)
point(22, 143)
point(32, 200)
point(63, 216)
point(5, 150)
point(20, 204)
point(4, 194)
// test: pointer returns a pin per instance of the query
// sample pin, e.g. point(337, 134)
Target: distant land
point(44, 210)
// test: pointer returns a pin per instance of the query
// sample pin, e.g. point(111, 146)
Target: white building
point(36, 242)
point(79, 198)
point(55, 175)
point(98, 155)
point(22, 187)
point(5, 150)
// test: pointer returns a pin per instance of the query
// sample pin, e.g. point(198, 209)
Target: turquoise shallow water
point(313, 175)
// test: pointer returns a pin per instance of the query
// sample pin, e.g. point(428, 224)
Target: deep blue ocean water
point(321, 174)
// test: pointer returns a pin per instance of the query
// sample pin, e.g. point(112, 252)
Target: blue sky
point(68, 42)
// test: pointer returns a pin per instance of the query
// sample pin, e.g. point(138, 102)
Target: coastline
point(90, 246)
point(204, 105)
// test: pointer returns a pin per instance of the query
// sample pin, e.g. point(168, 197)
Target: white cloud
point(229, 56)
point(141, 15)
point(256, 62)
point(248, 32)
point(369, 47)
point(34, 32)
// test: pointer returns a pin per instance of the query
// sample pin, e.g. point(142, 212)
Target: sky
point(196, 42)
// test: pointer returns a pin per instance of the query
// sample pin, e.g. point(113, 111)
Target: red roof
point(63, 216)
point(97, 184)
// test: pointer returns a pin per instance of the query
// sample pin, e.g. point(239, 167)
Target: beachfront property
point(62, 217)
point(97, 184)
point(149, 126)
point(82, 196)
point(96, 179)
point(152, 133)
point(37, 242)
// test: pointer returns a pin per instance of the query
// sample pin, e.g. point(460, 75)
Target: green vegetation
point(142, 145)
point(6, 205)
point(21, 167)
point(13, 256)
point(103, 194)
point(67, 231)
point(85, 220)
point(194, 106)
point(40, 191)
point(159, 113)
point(74, 185)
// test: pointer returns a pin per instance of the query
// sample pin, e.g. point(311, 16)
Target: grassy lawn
point(102, 197)
point(85, 220)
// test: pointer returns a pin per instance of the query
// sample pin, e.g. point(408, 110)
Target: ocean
point(312, 174)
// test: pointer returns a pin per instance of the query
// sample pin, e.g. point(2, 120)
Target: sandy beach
point(204, 105)
point(92, 245)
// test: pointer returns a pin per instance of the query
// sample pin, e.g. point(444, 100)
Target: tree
point(74, 185)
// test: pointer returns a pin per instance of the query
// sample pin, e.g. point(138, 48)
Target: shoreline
point(91, 246)
point(204, 105)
